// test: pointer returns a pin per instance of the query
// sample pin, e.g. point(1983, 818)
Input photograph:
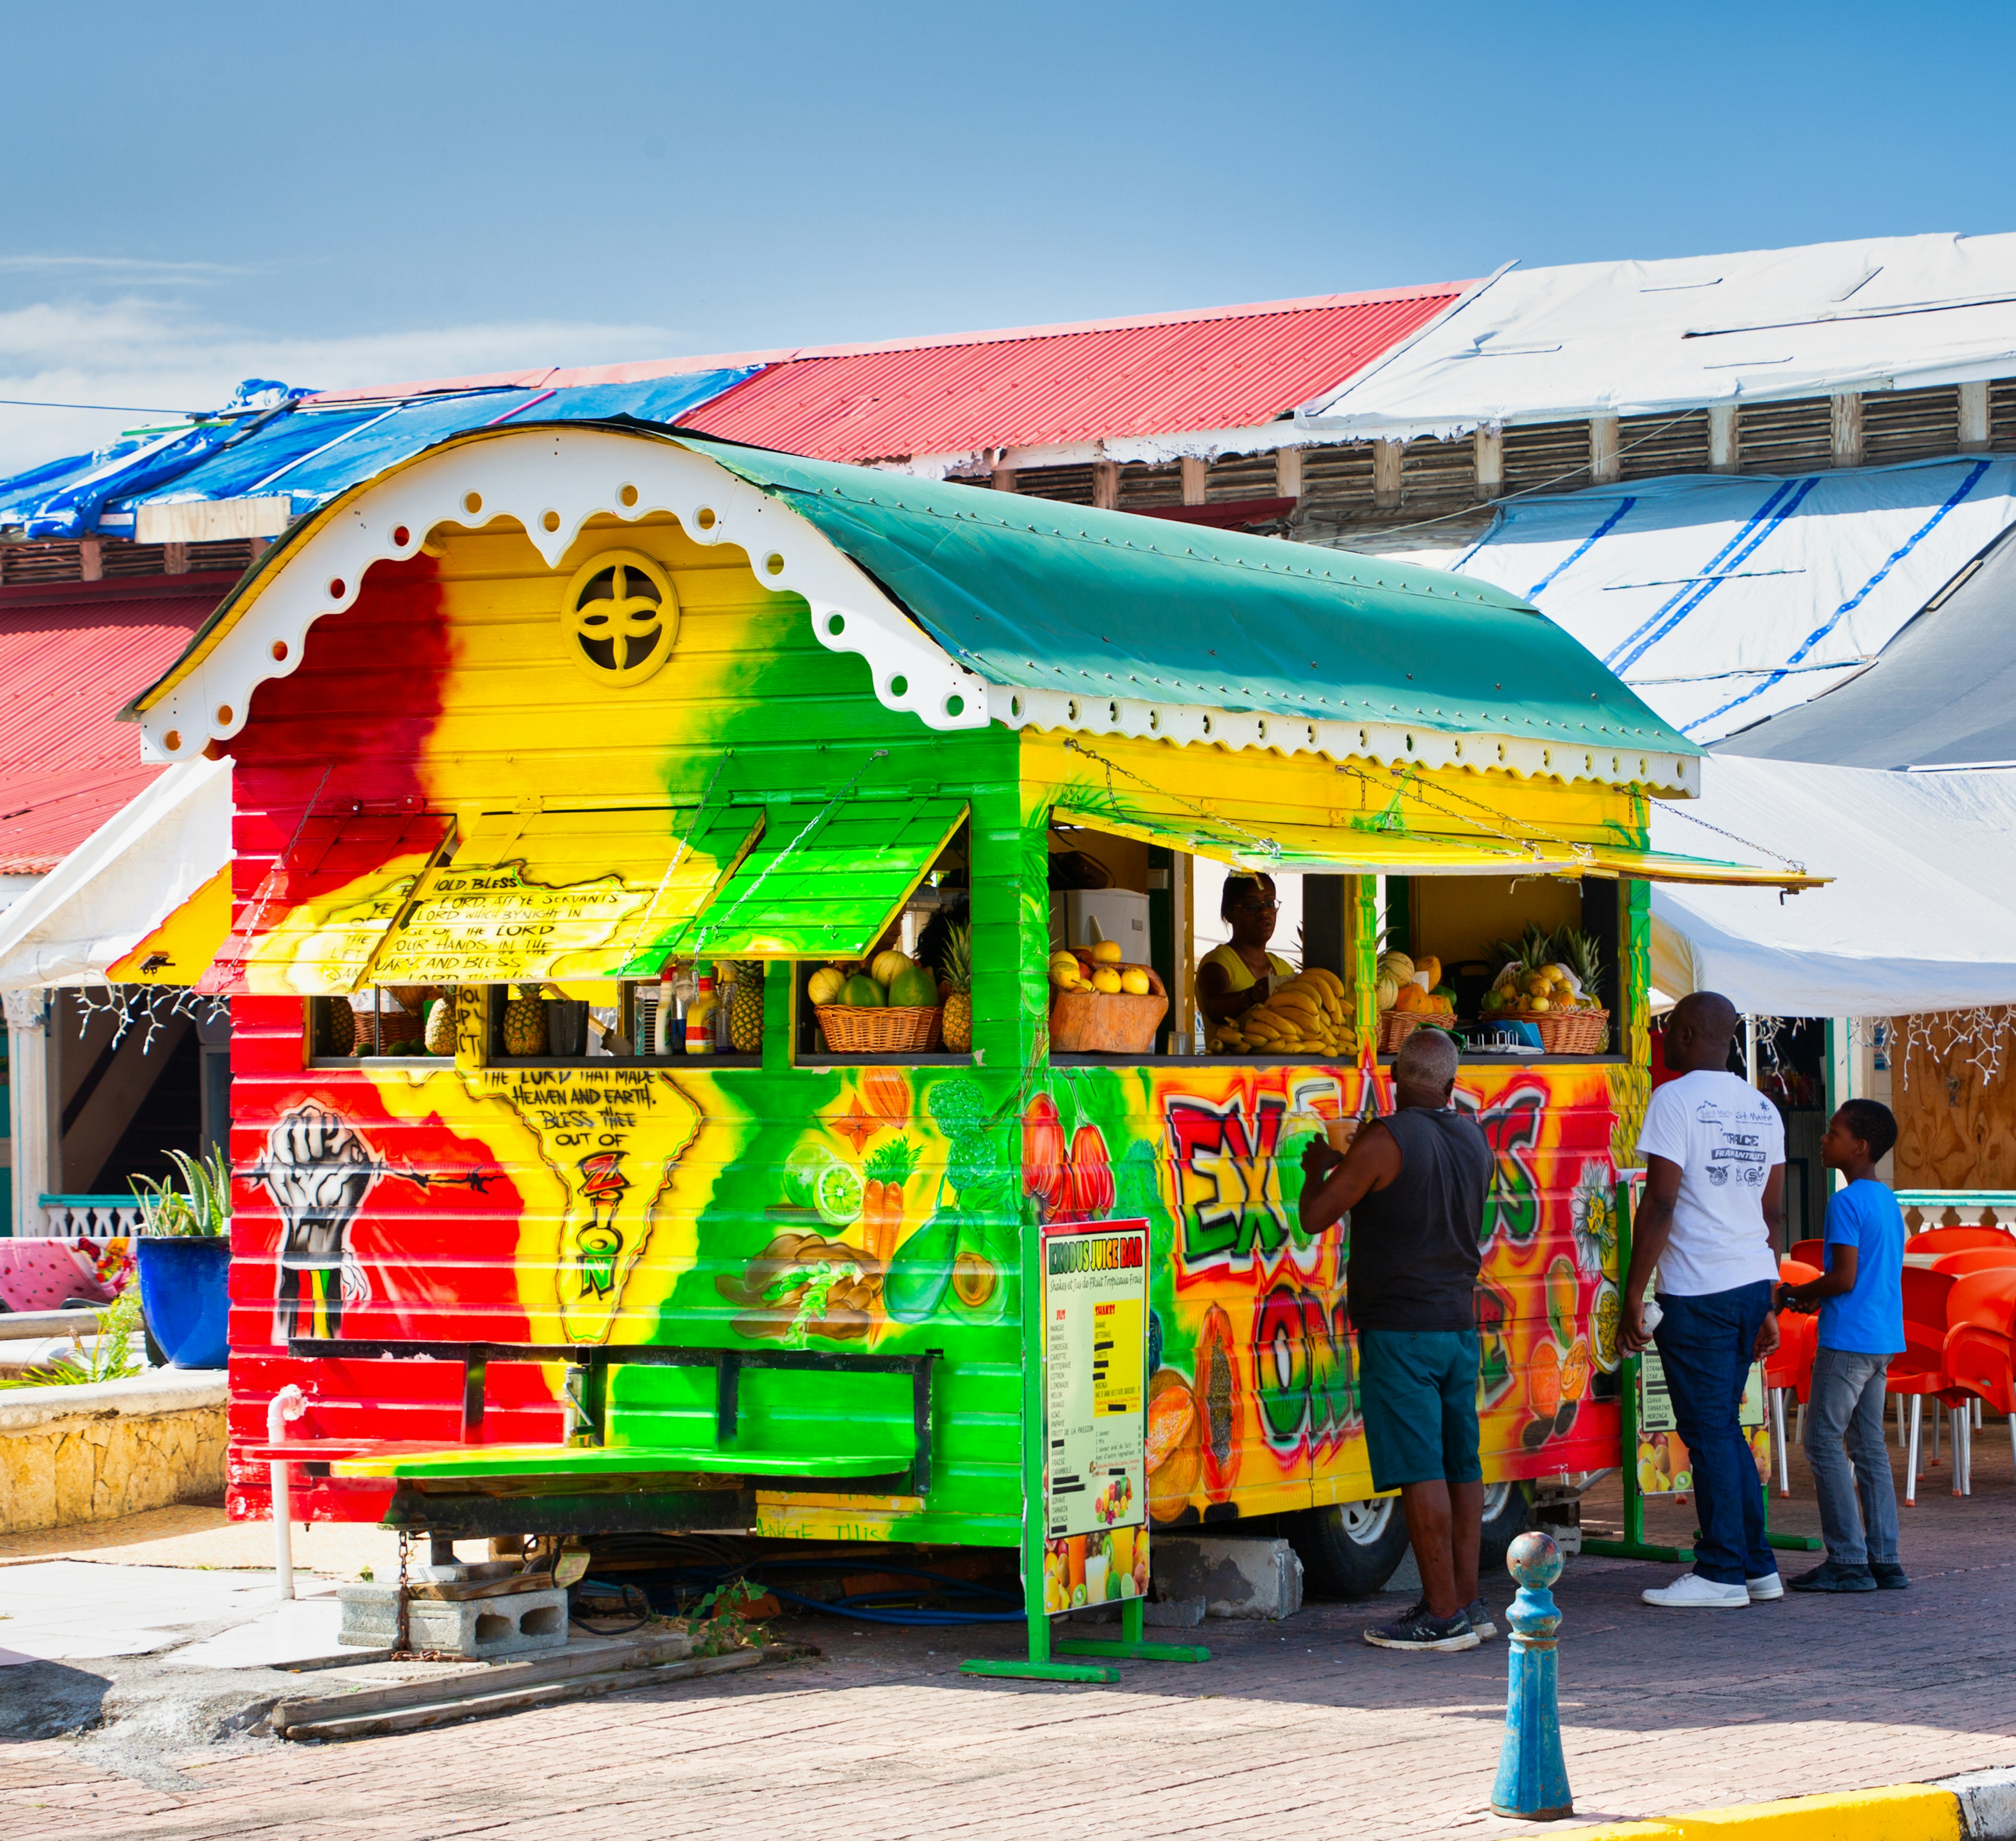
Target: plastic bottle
point(700, 1017)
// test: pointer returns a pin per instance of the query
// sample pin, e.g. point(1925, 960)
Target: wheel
point(1350, 1549)
point(1508, 1513)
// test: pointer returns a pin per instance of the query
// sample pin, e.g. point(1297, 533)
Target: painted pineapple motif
point(745, 1009)
point(958, 990)
point(525, 1026)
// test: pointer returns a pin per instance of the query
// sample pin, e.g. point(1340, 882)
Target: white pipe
point(289, 1403)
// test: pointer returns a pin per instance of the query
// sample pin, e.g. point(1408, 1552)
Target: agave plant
point(200, 1210)
point(111, 1356)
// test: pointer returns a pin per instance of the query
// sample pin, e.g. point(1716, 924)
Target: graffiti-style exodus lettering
point(1228, 1187)
point(1301, 1369)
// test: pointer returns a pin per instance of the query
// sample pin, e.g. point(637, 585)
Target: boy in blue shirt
point(1860, 1298)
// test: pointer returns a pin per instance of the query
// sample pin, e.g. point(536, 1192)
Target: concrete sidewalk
point(1297, 1726)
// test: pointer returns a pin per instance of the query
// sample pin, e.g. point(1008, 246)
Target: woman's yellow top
point(1239, 976)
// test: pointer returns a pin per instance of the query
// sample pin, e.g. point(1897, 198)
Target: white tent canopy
point(121, 882)
point(1723, 600)
point(1921, 916)
point(1537, 345)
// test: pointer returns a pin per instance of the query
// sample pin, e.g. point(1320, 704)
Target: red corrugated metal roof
point(1231, 367)
point(71, 655)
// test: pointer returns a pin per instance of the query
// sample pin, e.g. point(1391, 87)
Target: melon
point(913, 988)
point(862, 992)
point(886, 964)
point(827, 983)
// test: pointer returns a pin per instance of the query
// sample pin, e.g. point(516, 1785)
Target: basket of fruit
point(1308, 1014)
point(1549, 980)
point(889, 1006)
point(1102, 1005)
point(1410, 993)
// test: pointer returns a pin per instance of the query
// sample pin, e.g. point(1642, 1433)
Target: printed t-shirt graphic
point(1726, 1137)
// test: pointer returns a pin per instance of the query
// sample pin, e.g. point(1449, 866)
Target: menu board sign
point(1664, 1466)
point(1095, 1354)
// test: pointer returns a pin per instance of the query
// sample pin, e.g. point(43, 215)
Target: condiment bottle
point(700, 1017)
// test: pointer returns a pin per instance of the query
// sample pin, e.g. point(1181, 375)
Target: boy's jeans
point(1704, 1345)
point(1847, 1401)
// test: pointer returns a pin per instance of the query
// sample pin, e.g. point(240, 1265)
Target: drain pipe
point(289, 1403)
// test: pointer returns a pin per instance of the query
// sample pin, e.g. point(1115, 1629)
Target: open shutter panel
point(826, 881)
point(566, 894)
point(319, 913)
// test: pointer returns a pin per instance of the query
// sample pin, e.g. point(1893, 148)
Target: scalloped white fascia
point(1391, 743)
point(565, 477)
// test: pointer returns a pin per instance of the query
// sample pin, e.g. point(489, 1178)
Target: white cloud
point(139, 352)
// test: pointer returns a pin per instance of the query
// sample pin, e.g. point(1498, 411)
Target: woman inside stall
point(1233, 977)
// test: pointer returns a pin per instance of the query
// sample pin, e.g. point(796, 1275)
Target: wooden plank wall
point(1957, 1125)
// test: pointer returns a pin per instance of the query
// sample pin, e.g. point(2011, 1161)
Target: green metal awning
point(825, 882)
point(1031, 593)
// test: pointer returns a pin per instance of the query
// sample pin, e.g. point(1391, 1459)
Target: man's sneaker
point(1691, 1592)
point(1888, 1575)
point(1479, 1614)
point(1829, 1576)
point(1419, 1629)
point(1763, 1590)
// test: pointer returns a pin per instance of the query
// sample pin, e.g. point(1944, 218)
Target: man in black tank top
point(1414, 1186)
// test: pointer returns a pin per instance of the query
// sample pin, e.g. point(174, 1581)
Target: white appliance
point(1122, 916)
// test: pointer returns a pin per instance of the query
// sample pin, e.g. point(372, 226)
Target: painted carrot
point(884, 1174)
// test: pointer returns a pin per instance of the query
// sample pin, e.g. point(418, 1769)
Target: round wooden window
point(621, 616)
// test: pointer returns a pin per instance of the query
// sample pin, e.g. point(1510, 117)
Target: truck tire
point(1508, 1513)
point(1350, 1549)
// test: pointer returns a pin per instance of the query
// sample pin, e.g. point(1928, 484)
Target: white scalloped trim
point(1393, 744)
point(567, 476)
point(574, 474)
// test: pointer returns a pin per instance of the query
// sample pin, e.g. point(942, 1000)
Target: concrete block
point(1236, 1577)
point(1173, 1613)
point(1987, 1803)
point(478, 1628)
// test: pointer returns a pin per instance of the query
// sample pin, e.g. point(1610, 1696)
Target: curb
point(1979, 1806)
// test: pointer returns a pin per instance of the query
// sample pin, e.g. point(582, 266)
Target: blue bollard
point(1532, 1774)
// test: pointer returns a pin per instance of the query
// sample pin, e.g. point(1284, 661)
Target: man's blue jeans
point(1704, 1344)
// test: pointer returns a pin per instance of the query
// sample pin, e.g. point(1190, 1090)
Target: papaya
point(1221, 1403)
point(913, 988)
point(862, 992)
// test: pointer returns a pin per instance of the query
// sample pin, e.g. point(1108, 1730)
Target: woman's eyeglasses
point(1256, 907)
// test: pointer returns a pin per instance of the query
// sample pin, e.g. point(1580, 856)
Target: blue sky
point(192, 194)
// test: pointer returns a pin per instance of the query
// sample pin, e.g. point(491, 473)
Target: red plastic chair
point(1810, 1252)
point(1971, 1259)
point(1920, 1373)
point(1980, 1356)
point(1957, 1239)
point(1789, 1368)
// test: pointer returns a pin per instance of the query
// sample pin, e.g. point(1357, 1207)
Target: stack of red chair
point(1979, 1355)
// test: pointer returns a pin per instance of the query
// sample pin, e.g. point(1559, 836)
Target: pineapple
point(959, 989)
point(1577, 951)
point(342, 1026)
point(439, 1037)
point(525, 1024)
point(745, 1009)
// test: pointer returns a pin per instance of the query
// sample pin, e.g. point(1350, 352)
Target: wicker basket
point(866, 1030)
point(1396, 1026)
point(1570, 1031)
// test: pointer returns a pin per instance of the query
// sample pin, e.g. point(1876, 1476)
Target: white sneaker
point(1762, 1590)
point(1691, 1592)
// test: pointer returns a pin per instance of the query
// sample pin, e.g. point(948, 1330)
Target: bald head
point(1699, 1030)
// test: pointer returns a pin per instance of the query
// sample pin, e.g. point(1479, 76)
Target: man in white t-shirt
point(1715, 1153)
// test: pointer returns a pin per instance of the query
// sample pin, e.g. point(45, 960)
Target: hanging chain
point(1747, 844)
point(404, 1645)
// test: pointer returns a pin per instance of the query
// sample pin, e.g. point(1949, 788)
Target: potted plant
point(185, 1259)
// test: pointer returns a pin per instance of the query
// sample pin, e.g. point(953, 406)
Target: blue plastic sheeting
point(314, 454)
point(307, 454)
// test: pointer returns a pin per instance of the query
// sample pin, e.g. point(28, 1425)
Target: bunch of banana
point(1311, 1012)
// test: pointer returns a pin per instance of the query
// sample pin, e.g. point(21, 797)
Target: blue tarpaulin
point(307, 453)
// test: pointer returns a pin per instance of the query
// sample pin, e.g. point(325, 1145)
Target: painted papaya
point(1563, 1294)
point(1175, 1445)
point(1221, 1403)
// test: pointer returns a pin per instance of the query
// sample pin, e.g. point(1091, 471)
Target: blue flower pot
point(185, 1292)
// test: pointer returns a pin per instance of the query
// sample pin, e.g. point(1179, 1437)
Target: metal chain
point(1747, 844)
point(404, 1646)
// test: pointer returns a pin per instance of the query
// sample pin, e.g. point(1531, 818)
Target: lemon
point(1106, 979)
point(1134, 981)
point(1106, 952)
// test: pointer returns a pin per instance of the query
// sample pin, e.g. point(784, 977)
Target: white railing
point(1958, 1208)
point(83, 1217)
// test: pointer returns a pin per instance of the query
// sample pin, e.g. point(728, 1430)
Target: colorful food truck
point(589, 1179)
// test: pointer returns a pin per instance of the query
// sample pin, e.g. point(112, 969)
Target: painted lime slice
point(837, 1195)
point(802, 1170)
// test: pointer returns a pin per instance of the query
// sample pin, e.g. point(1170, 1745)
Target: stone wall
point(74, 1454)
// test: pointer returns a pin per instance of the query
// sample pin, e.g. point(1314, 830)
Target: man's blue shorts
point(1420, 1392)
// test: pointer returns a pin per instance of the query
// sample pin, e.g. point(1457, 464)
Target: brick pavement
point(1297, 1727)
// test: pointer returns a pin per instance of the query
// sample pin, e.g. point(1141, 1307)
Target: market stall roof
point(1921, 914)
point(69, 652)
point(1152, 375)
point(157, 855)
point(971, 607)
point(1721, 599)
point(1640, 338)
point(1943, 694)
